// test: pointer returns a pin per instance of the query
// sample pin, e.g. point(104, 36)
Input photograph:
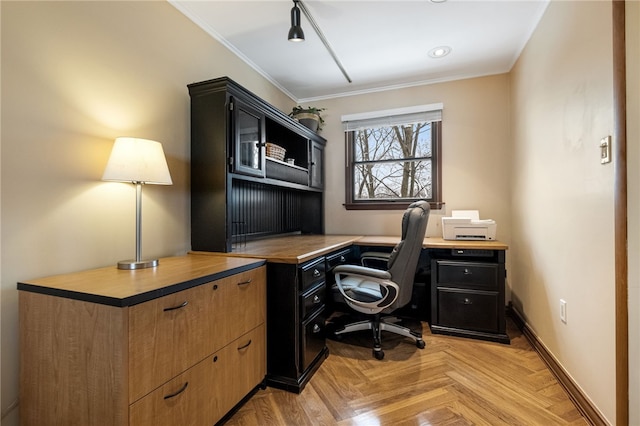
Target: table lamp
point(139, 161)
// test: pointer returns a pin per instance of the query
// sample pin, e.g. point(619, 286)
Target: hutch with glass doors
point(239, 190)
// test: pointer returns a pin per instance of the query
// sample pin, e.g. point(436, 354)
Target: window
point(393, 158)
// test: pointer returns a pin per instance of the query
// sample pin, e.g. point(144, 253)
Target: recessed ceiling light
point(440, 51)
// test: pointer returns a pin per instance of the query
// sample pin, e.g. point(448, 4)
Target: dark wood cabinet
point(468, 293)
point(296, 323)
point(238, 193)
point(241, 193)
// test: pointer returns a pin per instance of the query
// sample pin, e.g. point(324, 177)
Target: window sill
point(388, 205)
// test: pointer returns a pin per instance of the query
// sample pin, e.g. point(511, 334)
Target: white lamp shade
point(137, 160)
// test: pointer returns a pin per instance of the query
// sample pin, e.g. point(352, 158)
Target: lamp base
point(134, 264)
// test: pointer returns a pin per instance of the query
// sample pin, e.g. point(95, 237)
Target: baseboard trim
point(588, 410)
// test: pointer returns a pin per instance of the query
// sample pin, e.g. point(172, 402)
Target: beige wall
point(75, 75)
point(633, 167)
point(562, 197)
point(475, 152)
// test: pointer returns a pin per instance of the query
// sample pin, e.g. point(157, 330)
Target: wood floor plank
point(453, 381)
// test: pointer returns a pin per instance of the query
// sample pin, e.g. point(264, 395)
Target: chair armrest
point(362, 270)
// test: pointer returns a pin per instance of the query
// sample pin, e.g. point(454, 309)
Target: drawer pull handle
point(245, 346)
point(316, 273)
point(316, 328)
point(467, 271)
point(182, 389)
point(245, 282)
point(468, 301)
point(173, 308)
point(316, 299)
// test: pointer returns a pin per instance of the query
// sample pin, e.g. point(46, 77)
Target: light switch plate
point(605, 150)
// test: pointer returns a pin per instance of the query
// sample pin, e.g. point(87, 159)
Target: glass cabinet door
point(248, 140)
point(316, 166)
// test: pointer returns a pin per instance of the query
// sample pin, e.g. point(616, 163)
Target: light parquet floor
point(453, 381)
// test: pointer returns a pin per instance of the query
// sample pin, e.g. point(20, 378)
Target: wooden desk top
point(293, 249)
point(296, 249)
point(118, 287)
point(433, 242)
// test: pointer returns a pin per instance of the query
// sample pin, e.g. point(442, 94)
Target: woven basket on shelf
point(275, 151)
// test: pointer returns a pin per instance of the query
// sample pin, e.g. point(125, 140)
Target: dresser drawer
point(312, 299)
point(471, 310)
point(184, 400)
point(245, 307)
point(207, 391)
point(166, 336)
point(244, 365)
point(169, 334)
point(312, 273)
point(481, 276)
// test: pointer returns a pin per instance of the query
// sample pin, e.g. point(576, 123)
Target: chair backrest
point(404, 257)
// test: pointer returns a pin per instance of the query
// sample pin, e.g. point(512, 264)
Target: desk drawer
point(311, 300)
point(313, 338)
point(471, 310)
point(311, 273)
point(480, 276)
point(339, 258)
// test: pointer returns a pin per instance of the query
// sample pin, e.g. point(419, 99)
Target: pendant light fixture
point(295, 32)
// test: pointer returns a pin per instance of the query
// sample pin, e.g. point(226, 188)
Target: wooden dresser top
point(117, 287)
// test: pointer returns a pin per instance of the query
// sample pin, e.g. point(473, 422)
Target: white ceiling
point(381, 44)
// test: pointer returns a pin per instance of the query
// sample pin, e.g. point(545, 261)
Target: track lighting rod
point(324, 40)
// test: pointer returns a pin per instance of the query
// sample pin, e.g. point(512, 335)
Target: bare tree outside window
point(396, 164)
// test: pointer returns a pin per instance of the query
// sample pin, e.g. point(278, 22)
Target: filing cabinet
point(179, 344)
point(468, 293)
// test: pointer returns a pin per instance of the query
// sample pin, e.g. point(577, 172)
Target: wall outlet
point(563, 311)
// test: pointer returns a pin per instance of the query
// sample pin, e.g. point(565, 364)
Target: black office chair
point(375, 292)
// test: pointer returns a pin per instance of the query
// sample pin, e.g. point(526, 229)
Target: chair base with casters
point(379, 324)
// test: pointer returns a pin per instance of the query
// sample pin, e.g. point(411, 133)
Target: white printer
point(466, 225)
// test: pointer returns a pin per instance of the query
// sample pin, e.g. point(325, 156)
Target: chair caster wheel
point(420, 344)
point(378, 354)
